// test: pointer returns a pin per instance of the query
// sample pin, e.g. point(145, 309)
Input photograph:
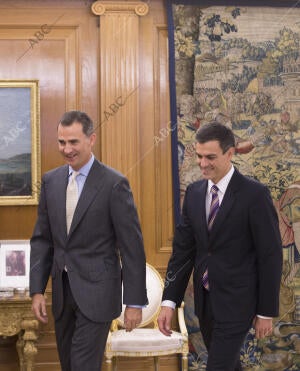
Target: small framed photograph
point(14, 263)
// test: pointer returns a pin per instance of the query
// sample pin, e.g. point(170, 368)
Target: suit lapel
point(91, 187)
point(202, 207)
point(226, 205)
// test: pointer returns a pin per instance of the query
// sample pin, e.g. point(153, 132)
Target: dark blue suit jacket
point(243, 252)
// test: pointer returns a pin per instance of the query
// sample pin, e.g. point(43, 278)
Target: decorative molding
point(162, 145)
point(16, 317)
point(137, 7)
point(10, 323)
point(119, 126)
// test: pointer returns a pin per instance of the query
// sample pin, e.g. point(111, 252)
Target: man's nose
point(68, 148)
point(202, 162)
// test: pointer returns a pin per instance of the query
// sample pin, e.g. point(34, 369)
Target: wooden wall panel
point(157, 197)
point(57, 62)
point(119, 87)
point(65, 61)
point(72, 64)
point(162, 142)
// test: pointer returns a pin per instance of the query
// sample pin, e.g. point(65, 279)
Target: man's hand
point(164, 320)
point(132, 318)
point(39, 307)
point(263, 327)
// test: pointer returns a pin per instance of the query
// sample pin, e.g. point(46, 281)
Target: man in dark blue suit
point(229, 235)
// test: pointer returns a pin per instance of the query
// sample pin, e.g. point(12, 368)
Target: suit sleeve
point(182, 259)
point(266, 236)
point(130, 243)
point(41, 254)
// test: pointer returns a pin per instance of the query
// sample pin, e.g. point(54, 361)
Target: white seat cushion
point(144, 340)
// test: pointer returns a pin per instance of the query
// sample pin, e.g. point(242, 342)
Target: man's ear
point(231, 152)
point(93, 138)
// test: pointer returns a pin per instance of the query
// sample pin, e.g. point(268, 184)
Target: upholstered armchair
point(147, 340)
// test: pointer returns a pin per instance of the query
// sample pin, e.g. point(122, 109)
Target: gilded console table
point(16, 318)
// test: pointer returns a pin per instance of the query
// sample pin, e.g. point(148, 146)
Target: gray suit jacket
point(105, 226)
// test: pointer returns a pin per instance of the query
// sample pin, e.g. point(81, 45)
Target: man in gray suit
point(82, 249)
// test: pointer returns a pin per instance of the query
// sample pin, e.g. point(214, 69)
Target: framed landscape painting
point(19, 142)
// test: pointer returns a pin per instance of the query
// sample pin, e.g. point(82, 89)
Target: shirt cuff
point(136, 306)
point(168, 303)
point(263, 317)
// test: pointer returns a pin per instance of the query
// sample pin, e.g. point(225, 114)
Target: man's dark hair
point(216, 131)
point(82, 118)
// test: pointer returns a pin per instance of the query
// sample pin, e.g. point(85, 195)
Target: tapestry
point(240, 66)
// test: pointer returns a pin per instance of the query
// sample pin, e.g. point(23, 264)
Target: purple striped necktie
point(214, 208)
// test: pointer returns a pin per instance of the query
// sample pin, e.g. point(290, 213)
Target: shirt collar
point(223, 183)
point(85, 168)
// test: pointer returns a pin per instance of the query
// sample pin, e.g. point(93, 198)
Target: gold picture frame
point(20, 155)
